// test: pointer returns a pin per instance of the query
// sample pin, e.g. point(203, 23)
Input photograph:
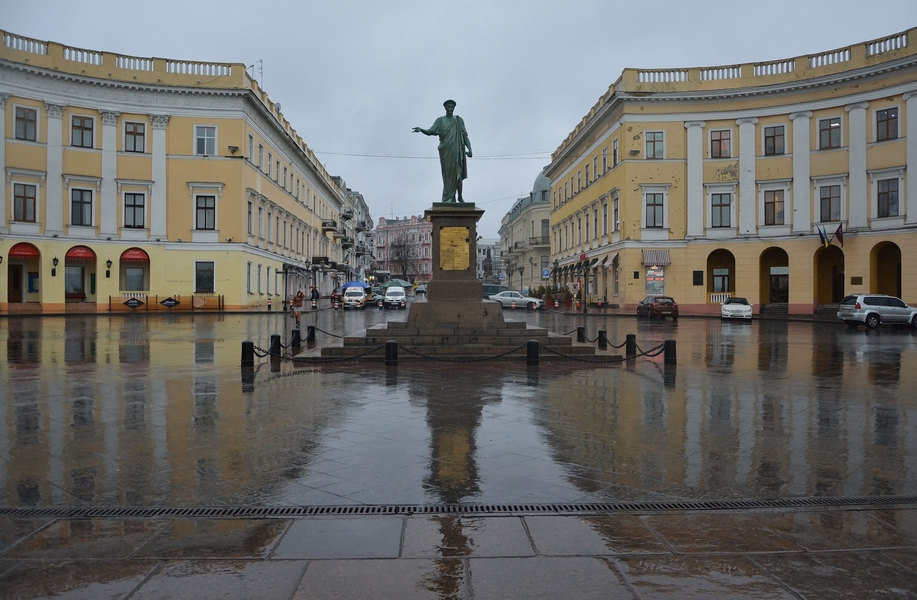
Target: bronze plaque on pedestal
point(454, 252)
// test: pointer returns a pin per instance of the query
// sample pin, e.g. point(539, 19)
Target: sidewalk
point(860, 553)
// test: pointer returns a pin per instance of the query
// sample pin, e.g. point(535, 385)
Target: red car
point(658, 306)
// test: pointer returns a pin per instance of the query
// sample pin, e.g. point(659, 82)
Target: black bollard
point(603, 340)
point(310, 333)
point(531, 352)
point(391, 353)
point(669, 352)
point(248, 354)
point(630, 344)
point(297, 339)
point(581, 335)
point(248, 379)
point(275, 345)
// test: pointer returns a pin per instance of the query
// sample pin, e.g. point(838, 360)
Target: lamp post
point(521, 281)
point(556, 266)
point(531, 272)
point(107, 268)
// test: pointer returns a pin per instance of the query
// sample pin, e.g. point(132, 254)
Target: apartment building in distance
point(149, 180)
point(404, 248)
point(525, 238)
point(791, 182)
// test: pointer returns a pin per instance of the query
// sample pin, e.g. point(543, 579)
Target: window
point(277, 171)
point(134, 137)
point(24, 202)
point(604, 218)
point(614, 153)
point(251, 147)
point(655, 205)
point(203, 277)
point(829, 133)
point(81, 132)
point(721, 280)
point(720, 208)
point(720, 144)
point(595, 168)
point(261, 156)
point(251, 216)
point(774, 141)
point(205, 137)
point(887, 192)
point(654, 144)
point(134, 211)
point(595, 223)
point(270, 161)
point(206, 212)
point(133, 279)
point(886, 124)
point(615, 214)
point(587, 174)
point(26, 123)
point(81, 207)
point(773, 207)
point(830, 201)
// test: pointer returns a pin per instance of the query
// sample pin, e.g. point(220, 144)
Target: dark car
point(658, 306)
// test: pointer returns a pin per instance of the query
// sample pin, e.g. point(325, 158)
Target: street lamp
point(521, 270)
point(556, 266)
point(532, 271)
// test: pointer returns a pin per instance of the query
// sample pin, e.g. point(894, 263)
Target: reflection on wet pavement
point(151, 411)
point(145, 412)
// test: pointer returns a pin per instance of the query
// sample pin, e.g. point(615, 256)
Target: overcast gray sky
point(353, 77)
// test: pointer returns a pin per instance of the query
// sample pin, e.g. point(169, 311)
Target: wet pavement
point(776, 460)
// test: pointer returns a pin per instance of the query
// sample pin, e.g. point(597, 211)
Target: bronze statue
point(453, 139)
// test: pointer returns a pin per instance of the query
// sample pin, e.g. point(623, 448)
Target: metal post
point(391, 353)
point(531, 352)
point(581, 335)
point(248, 353)
point(603, 340)
point(630, 344)
point(669, 352)
point(310, 333)
point(275, 345)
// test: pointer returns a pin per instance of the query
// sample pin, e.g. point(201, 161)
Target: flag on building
point(839, 234)
point(822, 236)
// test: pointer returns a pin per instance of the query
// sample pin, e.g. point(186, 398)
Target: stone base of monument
point(455, 322)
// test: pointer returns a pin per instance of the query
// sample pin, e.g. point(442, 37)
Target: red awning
point(80, 253)
point(134, 255)
point(23, 250)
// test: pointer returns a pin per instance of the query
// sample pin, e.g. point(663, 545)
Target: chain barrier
point(461, 360)
point(621, 345)
point(656, 351)
point(329, 333)
point(261, 352)
point(310, 360)
point(595, 339)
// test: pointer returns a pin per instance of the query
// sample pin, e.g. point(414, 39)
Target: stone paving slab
point(731, 554)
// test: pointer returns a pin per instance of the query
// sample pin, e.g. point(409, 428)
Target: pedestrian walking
point(297, 303)
point(314, 296)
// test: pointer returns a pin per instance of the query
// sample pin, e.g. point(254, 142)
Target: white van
point(354, 297)
point(395, 297)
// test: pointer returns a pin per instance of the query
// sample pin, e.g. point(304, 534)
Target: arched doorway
point(134, 270)
point(79, 274)
point(774, 274)
point(829, 275)
point(22, 273)
point(721, 273)
point(885, 269)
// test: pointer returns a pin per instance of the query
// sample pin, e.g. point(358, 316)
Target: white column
point(6, 183)
point(54, 192)
point(857, 197)
point(801, 201)
point(909, 206)
point(158, 193)
point(108, 201)
point(748, 198)
point(694, 187)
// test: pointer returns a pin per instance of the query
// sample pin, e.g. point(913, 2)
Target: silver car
point(872, 309)
point(513, 299)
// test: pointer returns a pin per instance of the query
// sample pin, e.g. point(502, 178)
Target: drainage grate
point(592, 508)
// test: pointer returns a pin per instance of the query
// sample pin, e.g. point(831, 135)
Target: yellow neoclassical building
point(131, 179)
point(787, 182)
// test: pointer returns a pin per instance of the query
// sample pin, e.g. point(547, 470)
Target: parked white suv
point(872, 309)
point(395, 297)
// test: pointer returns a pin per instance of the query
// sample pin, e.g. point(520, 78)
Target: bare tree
point(402, 256)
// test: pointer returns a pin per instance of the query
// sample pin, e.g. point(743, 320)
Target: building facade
point(146, 179)
point(525, 239)
point(404, 248)
point(788, 182)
